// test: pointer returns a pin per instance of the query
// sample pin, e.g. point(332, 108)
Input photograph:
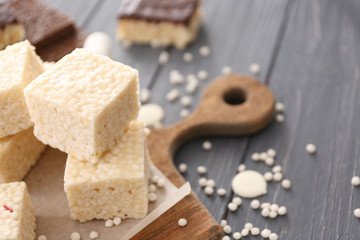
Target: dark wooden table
point(309, 53)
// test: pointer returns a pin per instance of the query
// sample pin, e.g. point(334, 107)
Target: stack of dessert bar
point(86, 105)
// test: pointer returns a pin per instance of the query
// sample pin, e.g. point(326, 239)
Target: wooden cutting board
point(231, 105)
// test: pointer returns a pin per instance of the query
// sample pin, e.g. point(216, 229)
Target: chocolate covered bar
point(11, 30)
point(160, 22)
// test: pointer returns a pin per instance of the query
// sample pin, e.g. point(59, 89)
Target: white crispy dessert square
point(18, 153)
point(17, 216)
point(83, 104)
point(116, 186)
point(19, 65)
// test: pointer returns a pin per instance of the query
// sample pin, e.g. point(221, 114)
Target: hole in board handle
point(235, 96)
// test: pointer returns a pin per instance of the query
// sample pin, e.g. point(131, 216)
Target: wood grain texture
point(213, 116)
point(316, 75)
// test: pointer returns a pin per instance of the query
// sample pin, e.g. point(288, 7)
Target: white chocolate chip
point(273, 214)
point(94, 235)
point(204, 51)
point(244, 232)
point(269, 161)
point(248, 226)
point(271, 152)
point(265, 212)
point(145, 95)
point(237, 201)
point(207, 145)
point(274, 207)
point(357, 212)
point(210, 183)
point(277, 168)
point(164, 57)
point(176, 77)
point(241, 168)
point(188, 57)
point(254, 68)
point(255, 157)
point(201, 170)
point(73, 236)
point(265, 233)
point(282, 211)
point(182, 222)
point(161, 183)
point(255, 204)
point(182, 167)
point(232, 206)
point(278, 177)
point(209, 190)
point(226, 70)
point(286, 184)
point(226, 238)
point(237, 235)
point(202, 75)
point(155, 178)
point(186, 101)
point(273, 236)
point(279, 107)
point(172, 95)
point(151, 188)
point(184, 113)
point(117, 221)
point(202, 182)
point(266, 205)
point(152, 197)
point(255, 231)
point(109, 223)
point(43, 237)
point(311, 148)
point(221, 192)
point(268, 176)
point(227, 229)
point(223, 223)
point(355, 181)
point(280, 118)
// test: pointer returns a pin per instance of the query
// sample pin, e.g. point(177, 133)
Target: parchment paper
point(46, 188)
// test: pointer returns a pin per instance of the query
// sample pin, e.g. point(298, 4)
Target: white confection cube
point(83, 104)
point(18, 153)
point(17, 218)
point(116, 186)
point(19, 65)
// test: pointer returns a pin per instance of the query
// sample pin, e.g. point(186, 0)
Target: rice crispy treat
point(19, 65)
point(83, 104)
point(159, 22)
point(116, 186)
point(17, 218)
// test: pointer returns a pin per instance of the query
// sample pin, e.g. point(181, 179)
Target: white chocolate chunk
point(116, 186)
point(249, 184)
point(83, 104)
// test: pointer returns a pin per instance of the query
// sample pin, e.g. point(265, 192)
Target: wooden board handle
point(231, 105)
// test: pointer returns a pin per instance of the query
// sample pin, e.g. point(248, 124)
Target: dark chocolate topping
point(7, 15)
point(42, 24)
point(178, 11)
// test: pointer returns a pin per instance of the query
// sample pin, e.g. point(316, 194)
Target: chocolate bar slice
point(11, 30)
point(43, 24)
point(160, 22)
